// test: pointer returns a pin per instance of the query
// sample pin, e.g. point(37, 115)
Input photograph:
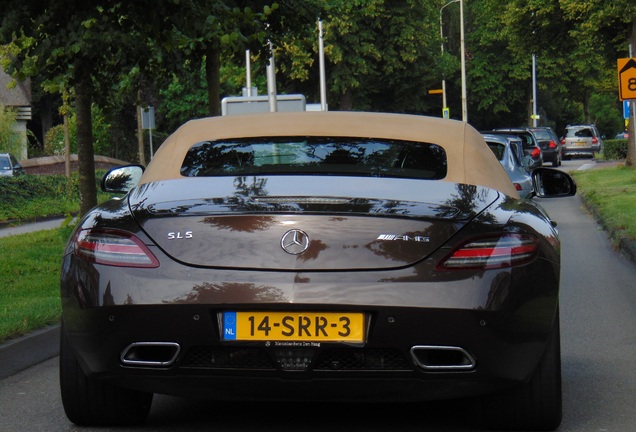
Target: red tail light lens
point(594, 140)
point(552, 145)
point(517, 186)
point(536, 152)
point(502, 251)
point(113, 247)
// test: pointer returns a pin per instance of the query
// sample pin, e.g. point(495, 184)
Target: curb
point(628, 249)
point(23, 352)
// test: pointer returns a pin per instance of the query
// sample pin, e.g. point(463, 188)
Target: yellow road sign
point(627, 78)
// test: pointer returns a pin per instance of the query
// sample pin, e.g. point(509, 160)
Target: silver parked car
point(581, 140)
point(510, 154)
point(9, 165)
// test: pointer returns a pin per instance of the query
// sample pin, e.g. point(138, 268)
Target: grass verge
point(611, 195)
point(30, 281)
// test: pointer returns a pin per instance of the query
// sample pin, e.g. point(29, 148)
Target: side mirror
point(552, 183)
point(122, 179)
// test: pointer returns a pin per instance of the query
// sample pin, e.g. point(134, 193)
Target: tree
point(211, 30)
point(380, 55)
point(85, 50)
point(631, 145)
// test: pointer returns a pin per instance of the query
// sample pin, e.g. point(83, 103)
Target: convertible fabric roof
point(470, 161)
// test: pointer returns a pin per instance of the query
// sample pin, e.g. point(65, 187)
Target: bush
point(615, 149)
point(54, 139)
point(26, 197)
point(9, 139)
point(30, 197)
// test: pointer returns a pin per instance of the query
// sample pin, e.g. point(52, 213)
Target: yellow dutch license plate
point(294, 326)
point(580, 143)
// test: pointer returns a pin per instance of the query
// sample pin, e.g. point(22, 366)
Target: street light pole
point(463, 58)
point(534, 90)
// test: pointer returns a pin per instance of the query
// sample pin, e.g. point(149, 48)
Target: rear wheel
point(90, 402)
point(536, 404)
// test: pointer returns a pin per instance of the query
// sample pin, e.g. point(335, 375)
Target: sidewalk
point(41, 225)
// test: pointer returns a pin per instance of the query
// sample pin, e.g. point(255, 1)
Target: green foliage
point(54, 138)
point(604, 113)
point(380, 55)
point(29, 197)
point(26, 197)
point(9, 139)
point(615, 149)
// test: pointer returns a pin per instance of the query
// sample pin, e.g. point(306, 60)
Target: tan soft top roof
point(470, 160)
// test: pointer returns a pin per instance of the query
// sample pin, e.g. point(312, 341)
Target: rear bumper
point(550, 155)
point(504, 349)
point(579, 151)
point(500, 319)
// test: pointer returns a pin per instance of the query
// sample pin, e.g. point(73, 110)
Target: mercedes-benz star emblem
point(295, 242)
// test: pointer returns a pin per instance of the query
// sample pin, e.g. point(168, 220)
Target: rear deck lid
point(304, 223)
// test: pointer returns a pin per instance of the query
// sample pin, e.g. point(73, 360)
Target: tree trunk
point(85, 153)
point(213, 79)
point(346, 100)
point(67, 147)
point(631, 142)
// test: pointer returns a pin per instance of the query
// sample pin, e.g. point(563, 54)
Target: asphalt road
point(598, 318)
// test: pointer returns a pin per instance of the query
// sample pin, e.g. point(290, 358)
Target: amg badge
point(403, 237)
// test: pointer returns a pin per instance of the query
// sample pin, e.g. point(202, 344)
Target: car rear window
point(541, 134)
point(316, 155)
point(581, 133)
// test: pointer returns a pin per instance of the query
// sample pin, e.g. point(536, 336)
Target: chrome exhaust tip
point(433, 358)
point(150, 354)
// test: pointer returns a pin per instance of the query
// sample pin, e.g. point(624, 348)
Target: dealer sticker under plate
point(293, 326)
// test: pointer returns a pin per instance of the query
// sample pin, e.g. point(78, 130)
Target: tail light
point(552, 144)
point(114, 248)
point(536, 152)
point(517, 186)
point(563, 141)
point(594, 140)
point(506, 250)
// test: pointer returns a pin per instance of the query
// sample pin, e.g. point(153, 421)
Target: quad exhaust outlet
point(433, 358)
point(150, 354)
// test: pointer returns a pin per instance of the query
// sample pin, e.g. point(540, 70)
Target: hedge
point(615, 149)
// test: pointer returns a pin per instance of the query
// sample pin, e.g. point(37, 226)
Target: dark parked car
point(530, 144)
point(332, 256)
point(9, 165)
point(550, 144)
point(581, 140)
point(510, 154)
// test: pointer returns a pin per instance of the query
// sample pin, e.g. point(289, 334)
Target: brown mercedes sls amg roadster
point(315, 255)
